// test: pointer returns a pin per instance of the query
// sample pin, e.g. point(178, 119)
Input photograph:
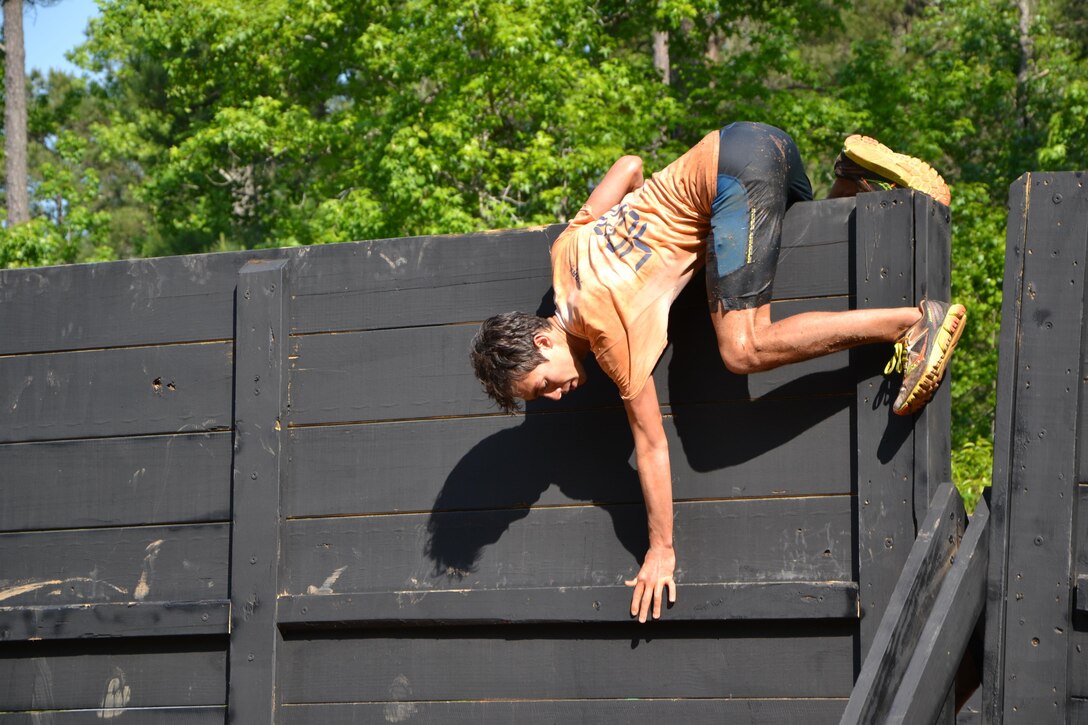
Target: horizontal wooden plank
point(144, 716)
point(548, 712)
point(133, 302)
point(117, 481)
point(133, 673)
point(364, 285)
point(803, 539)
point(691, 370)
point(145, 563)
point(442, 280)
point(128, 619)
point(424, 372)
point(421, 280)
point(731, 601)
point(101, 393)
point(474, 463)
point(600, 661)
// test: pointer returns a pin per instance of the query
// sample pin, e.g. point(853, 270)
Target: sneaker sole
point(949, 335)
point(902, 169)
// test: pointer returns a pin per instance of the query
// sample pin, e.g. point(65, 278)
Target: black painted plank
point(136, 302)
point(921, 695)
point(1004, 425)
point(691, 370)
point(473, 463)
point(549, 712)
point(424, 373)
point(597, 661)
point(260, 395)
point(365, 285)
point(130, 391)
point(911, 602)
point(421, 280)
point(932, 280)
point(69, 675)
point(144, 716)
point(733, 601)
point(806, 539)
point(885, 464)
point(1042, 483)
point(441, 280)
point(1078, 658)
point(146, 563)
point(1078, 710)
point(117, 481)
point(127, 619)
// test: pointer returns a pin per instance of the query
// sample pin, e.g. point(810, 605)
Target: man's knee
point(738, 340)
point(740, 353)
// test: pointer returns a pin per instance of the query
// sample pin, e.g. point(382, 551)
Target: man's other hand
point(653, 577)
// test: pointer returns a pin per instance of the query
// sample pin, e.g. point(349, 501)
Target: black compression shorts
point(760, 175)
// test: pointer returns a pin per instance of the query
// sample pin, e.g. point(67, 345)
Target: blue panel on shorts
point(729, 225)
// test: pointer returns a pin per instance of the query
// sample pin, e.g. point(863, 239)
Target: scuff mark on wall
point(326, 587)
point(143, 587)
point(399, 692)
point(15, 591)
point(30, 586)
point(27, 382)
point(117, 696)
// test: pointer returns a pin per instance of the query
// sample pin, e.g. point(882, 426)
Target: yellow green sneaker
point(874, 166)
point(923, 352)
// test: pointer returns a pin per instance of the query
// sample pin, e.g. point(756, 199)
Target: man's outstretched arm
point(623, 177)
point(655, 475)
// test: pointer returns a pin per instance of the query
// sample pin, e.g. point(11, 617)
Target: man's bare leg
point(749, 342)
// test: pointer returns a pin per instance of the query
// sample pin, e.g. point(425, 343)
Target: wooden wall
point(1036, 666)
point(289, 446)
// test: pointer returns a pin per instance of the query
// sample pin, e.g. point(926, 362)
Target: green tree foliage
point(225, 124)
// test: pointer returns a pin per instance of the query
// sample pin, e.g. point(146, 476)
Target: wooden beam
point(174, 672)
point(1000, 494)
point(160, 480)
point(570, 662)
point(128, 391)
point(723, 601)
point(735, 711)
point(128, 619)
point(96, 566)
point(884, 267)
point(474, 463)
point(260, 395)
point(212, 715)
point(1037, 491)
point(921, 696)
point(805, 539)
point(912, 600)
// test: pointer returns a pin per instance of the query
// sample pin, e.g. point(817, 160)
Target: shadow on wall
point(582, 446)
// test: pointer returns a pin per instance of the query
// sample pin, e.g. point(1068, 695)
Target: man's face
point(560, 373)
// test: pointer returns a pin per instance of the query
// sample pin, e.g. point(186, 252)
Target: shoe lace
point(899, 359)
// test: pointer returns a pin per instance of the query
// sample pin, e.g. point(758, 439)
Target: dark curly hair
point(503, 352)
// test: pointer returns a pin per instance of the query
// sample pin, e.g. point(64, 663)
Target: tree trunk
point(1027, 60)
point(661, 54)
point(15, 174)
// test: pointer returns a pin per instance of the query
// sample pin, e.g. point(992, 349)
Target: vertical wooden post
point(1026, 674)
point(932, 280)
point(260, 397)
point(885, 455)
point(933, 426)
